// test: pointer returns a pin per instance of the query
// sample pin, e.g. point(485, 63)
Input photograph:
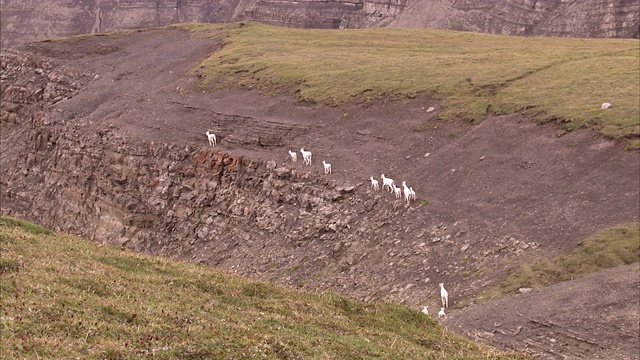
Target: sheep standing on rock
point(397, 191)
point(374, 184)
point(306, 156)
point(327, 167)
point(294, 155)
point(444, 295)
point(407, 192)
point(211, 137)
point(387, 182)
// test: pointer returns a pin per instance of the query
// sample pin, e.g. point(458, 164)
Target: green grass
point(619, 245)
point(24, 225)
point(64, 297)
point(559, 80)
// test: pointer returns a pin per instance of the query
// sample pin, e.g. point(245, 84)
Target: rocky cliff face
point(195, 203)
point(561, 18)
point(24, 21)
point(323, 14)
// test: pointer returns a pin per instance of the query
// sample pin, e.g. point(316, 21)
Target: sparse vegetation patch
point(616, 246)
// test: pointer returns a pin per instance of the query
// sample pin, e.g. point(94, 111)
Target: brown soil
point(507, 189)
point(577, 319)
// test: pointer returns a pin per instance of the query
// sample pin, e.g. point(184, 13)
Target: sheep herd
point(444, 296)
point(387, 183)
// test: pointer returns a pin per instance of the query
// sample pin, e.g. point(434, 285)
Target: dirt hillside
point(489, 196)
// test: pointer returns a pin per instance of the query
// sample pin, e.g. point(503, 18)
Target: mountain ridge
point(41, 19)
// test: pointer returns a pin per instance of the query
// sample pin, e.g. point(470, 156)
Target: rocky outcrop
point(24, 21)
point(323, 14)
point(591, 18)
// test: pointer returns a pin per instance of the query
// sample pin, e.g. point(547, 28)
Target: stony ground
point(498, 193)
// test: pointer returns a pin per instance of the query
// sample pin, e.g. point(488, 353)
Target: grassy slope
point(562, 80)
point(615, 246)
point(64, 297)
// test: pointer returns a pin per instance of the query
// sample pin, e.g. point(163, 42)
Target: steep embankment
point(104, 137)
point(64, 297)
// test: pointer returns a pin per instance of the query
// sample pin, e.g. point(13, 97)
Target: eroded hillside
point(104, 137)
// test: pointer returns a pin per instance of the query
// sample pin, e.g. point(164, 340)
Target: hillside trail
point(498, 193)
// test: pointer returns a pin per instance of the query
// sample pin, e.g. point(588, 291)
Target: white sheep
point(444, 295)
point(306, 156)
point(412, 195)
point(294, 155)
point(425, 310)
point(374, 184)
point(407, 192)
point(441, 313)
point(387, 182)
point(397, 191)
point(212, 138)
point(327, 167)
point(605, 106)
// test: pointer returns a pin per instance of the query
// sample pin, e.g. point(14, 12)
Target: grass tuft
point(30, 227)
point(633, 145)
point(9, 266)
